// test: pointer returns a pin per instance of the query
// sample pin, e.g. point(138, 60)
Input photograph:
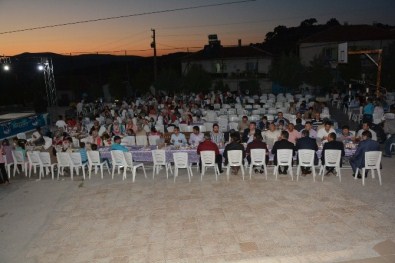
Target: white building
point(359, 37)
point(234, 65)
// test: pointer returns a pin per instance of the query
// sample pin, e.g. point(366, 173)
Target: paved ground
point(210, 221)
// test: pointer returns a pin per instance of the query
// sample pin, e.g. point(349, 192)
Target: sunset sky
point(176, 31)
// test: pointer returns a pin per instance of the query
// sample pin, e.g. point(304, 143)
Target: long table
point(144, 154)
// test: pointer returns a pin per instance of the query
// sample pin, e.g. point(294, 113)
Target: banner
point(13, 127)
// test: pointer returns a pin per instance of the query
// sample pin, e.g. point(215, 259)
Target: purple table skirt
point(144, 154)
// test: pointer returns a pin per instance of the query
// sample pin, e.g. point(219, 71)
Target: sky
point(175, 31)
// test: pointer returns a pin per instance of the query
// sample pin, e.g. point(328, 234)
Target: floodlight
point(6, 67)
point(40, 67)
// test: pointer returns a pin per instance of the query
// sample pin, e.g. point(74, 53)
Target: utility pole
point(153, 45)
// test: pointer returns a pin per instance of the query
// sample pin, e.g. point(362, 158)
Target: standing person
point(283, 143)
point(307, 143)
point(368, 110)
point(217, 136)
point(208, 145)
point(3, 156)
point(332, 144)
point(389, 129)
point(235, 144)
point(366, 145)
point(257, 143)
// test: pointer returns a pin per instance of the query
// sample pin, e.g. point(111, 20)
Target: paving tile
point(248, 246)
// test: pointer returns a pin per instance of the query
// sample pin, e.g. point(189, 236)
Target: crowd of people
point(106, 125)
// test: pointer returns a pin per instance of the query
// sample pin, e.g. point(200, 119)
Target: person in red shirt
point(208, 145)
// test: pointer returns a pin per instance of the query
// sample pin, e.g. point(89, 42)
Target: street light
point(40, 67)
point(6, 67)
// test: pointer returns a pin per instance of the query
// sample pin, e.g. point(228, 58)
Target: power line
point(126, 16)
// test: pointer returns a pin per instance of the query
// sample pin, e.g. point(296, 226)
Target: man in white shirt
point(323, 133)
point(271, 136)
point(178, 138)
point(196, 137)
point(366, 127)
point(61, 123)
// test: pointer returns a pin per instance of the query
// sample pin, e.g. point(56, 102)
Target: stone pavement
point(210, 221)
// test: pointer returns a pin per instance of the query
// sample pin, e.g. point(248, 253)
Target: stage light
point(6, 67)
point(40, 67)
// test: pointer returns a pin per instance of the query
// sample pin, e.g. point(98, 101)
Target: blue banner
point(13, 127)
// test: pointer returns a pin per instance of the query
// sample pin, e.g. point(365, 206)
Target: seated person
point(217, 136)
point(95, 138)
point(257, 143)
point(283, 143)
point(263, 124)
point(196, 136)
point(332, 144)
point(366, 127)
point(309, 128)
point(177, 138)
point(322, 133)
point(37, 137)
point(272, 135)
point(117, 145)
point(293, 134)
point(235, 144)
point(317, 121)
point(248, 134)
point(83, 153)
point(366, 145)
point(244, 124)
point(299, 126)
point(345, 136)
point(208, 145)
point(307, 143)
point(280, 117)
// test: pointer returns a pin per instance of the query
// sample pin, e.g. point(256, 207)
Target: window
point(252, 66)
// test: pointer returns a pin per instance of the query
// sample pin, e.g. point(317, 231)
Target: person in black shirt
point(283, 143)
point(233, 145)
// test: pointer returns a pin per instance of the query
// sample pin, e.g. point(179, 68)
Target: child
point(84, 155)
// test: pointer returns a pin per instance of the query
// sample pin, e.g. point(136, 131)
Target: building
point(359, 37)
point(236, 66)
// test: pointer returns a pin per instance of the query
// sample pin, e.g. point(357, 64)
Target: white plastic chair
point(305, 159)
point(332, 159)
point(141, 140)
point(372, 162)
point(208, 160)
point(153, 139)
point(235, 159)
point(19, 159)
point(94, 161)
point(8, 164)
point(118, 161)
point(234, 126)
point(181, 162)
point(76, 163)
point(133, 166)
point(34, 162)
point(284, 158)
point(159, 158)
point(258, 157)
point(64, 161)
point(46, 162)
